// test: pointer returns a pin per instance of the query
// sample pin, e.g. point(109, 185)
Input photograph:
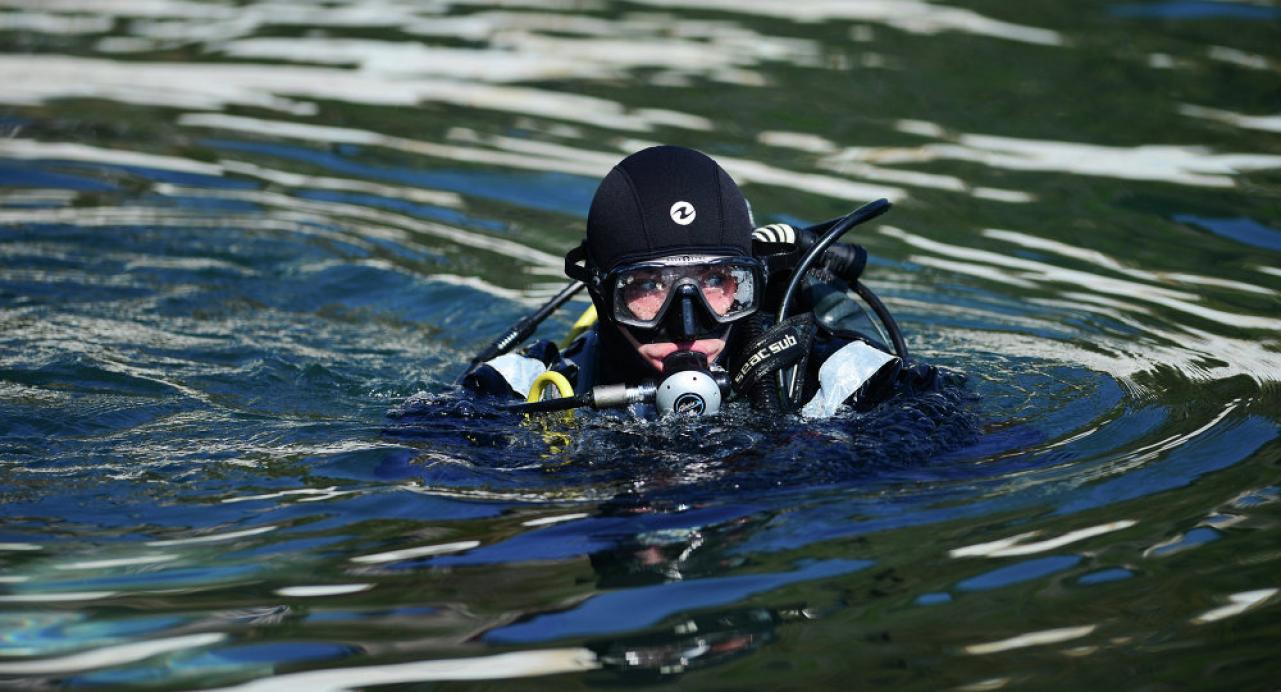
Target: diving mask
point(708, 292)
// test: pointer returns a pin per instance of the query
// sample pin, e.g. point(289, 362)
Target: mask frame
point(685, 313)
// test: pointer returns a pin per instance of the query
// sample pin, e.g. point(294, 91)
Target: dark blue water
point(246, 249)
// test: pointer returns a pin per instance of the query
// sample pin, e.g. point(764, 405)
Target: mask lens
point(728, 289)
point(643, 293)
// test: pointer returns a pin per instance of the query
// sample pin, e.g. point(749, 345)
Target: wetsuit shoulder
point(512, 375)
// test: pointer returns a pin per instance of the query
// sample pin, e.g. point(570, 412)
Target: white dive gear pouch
point(842, 374)
point(519, 371)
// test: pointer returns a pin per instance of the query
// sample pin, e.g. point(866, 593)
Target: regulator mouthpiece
point(688, 389)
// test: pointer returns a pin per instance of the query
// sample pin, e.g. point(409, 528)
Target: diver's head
point(668, 254)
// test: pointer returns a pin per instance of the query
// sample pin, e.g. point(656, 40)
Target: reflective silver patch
point(842, 375)
point(519, 371)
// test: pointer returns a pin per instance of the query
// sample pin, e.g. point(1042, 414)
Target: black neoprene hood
point(663, 201)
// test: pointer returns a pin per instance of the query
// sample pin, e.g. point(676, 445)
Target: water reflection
point(1039, 638)
point(911, 16)
point(1019, 545)
point(1183, 165)
point(110, 655)
point(232, 236)
point(520, 664)
point(1238, 603)
point(1266, 123)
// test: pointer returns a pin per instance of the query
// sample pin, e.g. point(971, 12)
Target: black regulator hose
point(763, 396)
point(787, 377)
point(517, 333)
point(863, 214)
point(883, 313)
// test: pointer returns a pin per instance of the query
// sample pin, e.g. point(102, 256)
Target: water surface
point(236, 239)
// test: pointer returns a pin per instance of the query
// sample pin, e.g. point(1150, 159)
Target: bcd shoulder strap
point(786, 343)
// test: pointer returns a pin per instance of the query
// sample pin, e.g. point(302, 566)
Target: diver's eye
point(647, 285)
point(714, 279)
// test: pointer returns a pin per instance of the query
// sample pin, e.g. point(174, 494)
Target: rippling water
point(236, 239)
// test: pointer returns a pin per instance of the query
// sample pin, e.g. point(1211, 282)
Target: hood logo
point(683, 213)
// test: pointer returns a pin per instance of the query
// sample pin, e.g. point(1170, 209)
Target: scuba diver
point(694, 306)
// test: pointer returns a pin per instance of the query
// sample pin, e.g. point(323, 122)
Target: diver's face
point(682, 303)
point(654, 353)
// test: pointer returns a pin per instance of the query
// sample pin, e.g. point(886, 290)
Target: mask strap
point(576, 266)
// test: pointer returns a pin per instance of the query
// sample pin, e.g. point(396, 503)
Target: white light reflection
point(1099, 259)
point(37, 196)
point(478, 284)
point(851, 162)
point(421, 551)
point(56, 597)
point(405, 58)
point(129, 8)
point(117, 562)
point(976, 270)
point(911, 16)
point(518, 664)
point(1040, 638)
point(109, 656)
point(322, 590)
point(1240, 58)
point(581, 164)
point(546, 521)
point(309, 216)
point(536, 155)
point(721, 52)
point(1043, 272)
point(1015, 546)
point(1142, 455)
point(746, 170)
point(34, 80)
point(1240, 602)
point(54, 24)
point(283, 493)
point(67, 151)
point(1266, 123)
point(289, 179)
point(1212, 281)
point(984, 685)
point(214, 538)
point(1179, 164)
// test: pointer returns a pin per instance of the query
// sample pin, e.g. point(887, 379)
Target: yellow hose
point(543, 383)
point(585, 322)
point(556, 440)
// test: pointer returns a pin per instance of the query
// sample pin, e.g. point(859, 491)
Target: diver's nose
point(686, 324)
